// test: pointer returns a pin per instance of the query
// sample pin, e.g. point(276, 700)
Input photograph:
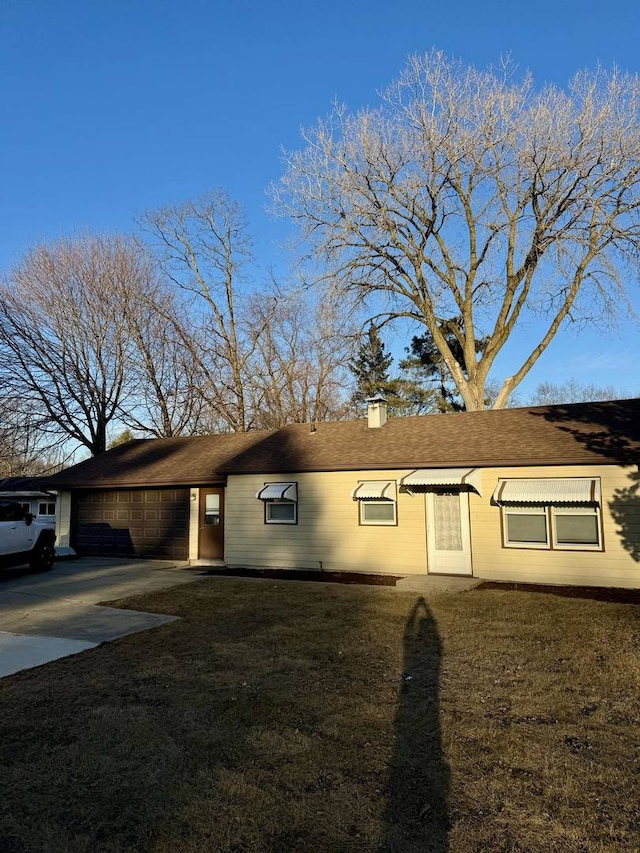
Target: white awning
point(430, 478)
point(575, 490)
point(278, 492)
point(375, 490)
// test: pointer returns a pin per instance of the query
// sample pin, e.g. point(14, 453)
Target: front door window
point(212, 509)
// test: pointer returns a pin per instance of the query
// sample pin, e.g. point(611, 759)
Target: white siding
point(614, 566)
point(63, 520)
point(194, 523)
point(328, 534)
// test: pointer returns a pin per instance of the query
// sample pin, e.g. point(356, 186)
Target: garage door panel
point(150, 522)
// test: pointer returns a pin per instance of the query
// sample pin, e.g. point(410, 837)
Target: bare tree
point(64, 348)
point(571, 391)
point(204, 248)
point(19, 450)
point(163, 396)
point(302, 352)
point(471, 194)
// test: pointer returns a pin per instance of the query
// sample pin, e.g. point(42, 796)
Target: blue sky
point(111, 108)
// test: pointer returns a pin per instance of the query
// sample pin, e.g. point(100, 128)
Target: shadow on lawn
point(416, 815)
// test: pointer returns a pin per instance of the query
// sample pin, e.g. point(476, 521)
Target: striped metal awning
point(431, 478)
point(278, 492)
point(375, 490)
point(574, 490)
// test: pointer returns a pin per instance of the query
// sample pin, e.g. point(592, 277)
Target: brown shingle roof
point(580, 433)
point(552, 435)
point(158, 462)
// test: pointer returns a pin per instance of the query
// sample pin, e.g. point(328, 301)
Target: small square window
point(280, 512)
point(280, 502)
point(377, 512)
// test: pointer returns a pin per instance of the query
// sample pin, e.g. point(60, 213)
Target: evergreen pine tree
point(371, 366)
point(426, 365)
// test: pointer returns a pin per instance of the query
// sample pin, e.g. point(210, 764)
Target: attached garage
point(140, 522)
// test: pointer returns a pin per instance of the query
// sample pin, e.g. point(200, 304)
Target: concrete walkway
point(44, 617)
point(434, 584)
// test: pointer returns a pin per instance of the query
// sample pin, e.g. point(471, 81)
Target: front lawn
point(286, 716)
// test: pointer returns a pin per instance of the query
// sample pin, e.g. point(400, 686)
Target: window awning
point(430, 478)
point(575, 490)
point(375, 490)
point(278, 492)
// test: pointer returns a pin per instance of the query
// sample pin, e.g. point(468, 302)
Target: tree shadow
point(416, 813)
point(611, 432)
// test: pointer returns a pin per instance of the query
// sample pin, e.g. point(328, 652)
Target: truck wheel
point(42, 557)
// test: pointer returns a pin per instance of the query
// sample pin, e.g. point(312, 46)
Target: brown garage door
point(145, 523)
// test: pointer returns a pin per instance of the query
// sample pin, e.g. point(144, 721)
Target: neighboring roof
point(32, 487)
point(580, 433)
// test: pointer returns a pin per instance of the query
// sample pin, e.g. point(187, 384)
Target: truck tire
point(42, 557)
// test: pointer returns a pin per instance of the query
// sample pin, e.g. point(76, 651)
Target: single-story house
point(32, 495)
point(546, 495)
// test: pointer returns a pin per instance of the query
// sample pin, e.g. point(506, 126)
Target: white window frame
point(275, 502)
point(551, 511)
point(589, 510)
point(378, 522)
point(519, 509)
point(50, 509)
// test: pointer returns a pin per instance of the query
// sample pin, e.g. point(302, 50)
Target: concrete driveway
point(47, 616)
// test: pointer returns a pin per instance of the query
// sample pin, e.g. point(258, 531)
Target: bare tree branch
point(468, 193)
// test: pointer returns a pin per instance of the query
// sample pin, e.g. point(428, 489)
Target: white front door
point(448, 539)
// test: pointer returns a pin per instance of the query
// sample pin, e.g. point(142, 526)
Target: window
point(212, 510)
point(280, 512)
point(46, 508)
point(526, 526)
point(377, 512)
point(280, 502)
point(377, 501)
point(576, 527)
point(553, 514)
point(12, 511)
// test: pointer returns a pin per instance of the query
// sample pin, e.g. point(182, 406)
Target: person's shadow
point(416, 813)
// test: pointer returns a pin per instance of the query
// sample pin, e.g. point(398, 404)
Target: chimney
point(376, 410)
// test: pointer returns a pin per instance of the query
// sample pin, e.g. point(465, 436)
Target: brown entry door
point(211, 536)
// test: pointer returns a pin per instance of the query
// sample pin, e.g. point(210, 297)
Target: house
point(34, 498)
point(547, 495)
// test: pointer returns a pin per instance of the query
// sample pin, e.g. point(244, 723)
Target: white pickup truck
point(23, 540)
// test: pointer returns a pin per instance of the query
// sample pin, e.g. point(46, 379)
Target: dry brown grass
point(284, 716)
